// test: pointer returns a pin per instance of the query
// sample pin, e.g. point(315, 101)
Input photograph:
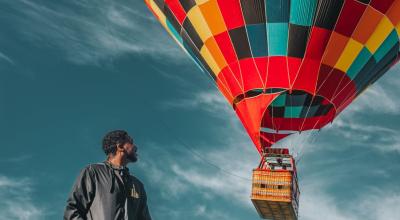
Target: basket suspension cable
point(192, 151)
point(291, 119)
point(262, 160)
point(313, 138)
point(187, 146)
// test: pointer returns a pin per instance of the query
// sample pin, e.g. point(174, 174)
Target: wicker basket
point(275, 191)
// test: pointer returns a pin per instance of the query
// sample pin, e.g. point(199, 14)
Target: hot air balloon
point(285, 66)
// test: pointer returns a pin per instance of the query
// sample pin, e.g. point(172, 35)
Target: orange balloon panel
point(286, 65)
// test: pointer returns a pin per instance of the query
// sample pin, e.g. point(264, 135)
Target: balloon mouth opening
point(292, 112)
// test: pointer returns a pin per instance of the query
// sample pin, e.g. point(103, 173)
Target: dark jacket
point(104, 192)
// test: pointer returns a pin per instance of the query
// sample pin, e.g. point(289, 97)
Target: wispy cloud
point(316, 205)
point(159, 174)
point(381, 97)
point(234, 143)
point(213, 102)
point(199, 211)
point(211, 173)
point(15, 159)
point(317, 199)
point(16, 202)
point(377, 99)
point(223, 170)
point(217, 183)
point(380, 205)
point(359, 132)
point(206, 212)
point(376, 204)
point(210, 101)
point(6, 58)
point(183, 175)
point(95, 31)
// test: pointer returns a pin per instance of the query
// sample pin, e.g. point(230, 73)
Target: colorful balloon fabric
point(286, 65)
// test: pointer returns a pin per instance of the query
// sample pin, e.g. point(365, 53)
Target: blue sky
point(71, 71)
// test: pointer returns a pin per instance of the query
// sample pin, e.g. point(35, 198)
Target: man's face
point(130, 150)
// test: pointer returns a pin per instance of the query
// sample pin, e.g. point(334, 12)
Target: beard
point(132, 157)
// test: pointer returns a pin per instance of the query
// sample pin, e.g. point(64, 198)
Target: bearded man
point(106, 191)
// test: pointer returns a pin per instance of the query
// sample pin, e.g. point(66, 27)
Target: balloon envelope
point(286, 65)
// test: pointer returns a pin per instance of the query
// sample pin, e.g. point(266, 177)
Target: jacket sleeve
point(144, 213)
point(81, 196)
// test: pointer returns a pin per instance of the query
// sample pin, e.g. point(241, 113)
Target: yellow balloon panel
point(380, 34)
point(349, 54)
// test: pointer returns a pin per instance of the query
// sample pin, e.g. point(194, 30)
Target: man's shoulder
point(93, 167)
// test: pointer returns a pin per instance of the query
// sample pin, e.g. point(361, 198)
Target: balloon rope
point(318, 8)
point(208, 76)
point(313, 138)
point(332, 69)
point(191, 150)
point(291, 123)
point(323, 55)
point(305, 117)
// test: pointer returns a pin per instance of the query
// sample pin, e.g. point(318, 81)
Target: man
point(106, 191)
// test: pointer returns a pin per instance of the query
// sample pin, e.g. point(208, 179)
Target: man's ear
point(120, 147)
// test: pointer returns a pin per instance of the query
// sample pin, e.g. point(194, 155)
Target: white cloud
point(233, 159)
point(376, 99)
point(315, 205)
point(94, 31)
point(211, 174)
point(374, 204)
point(240, 158)
point(200, 210)
point(316, 201)
point(214, 102)
point(6, 58)
point(299, 143)
point(16, 202)
point(194, 212)
point(223, 169)
point(211, 101)
point(380, 205)
point(379, 98)
point(159, 174)
point(219, 183)
point(182, 175)
point(209, 213)
point(361, 133)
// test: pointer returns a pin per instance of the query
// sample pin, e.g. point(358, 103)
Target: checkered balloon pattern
point(286, 65)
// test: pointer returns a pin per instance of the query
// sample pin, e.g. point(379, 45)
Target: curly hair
point(113, 138)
